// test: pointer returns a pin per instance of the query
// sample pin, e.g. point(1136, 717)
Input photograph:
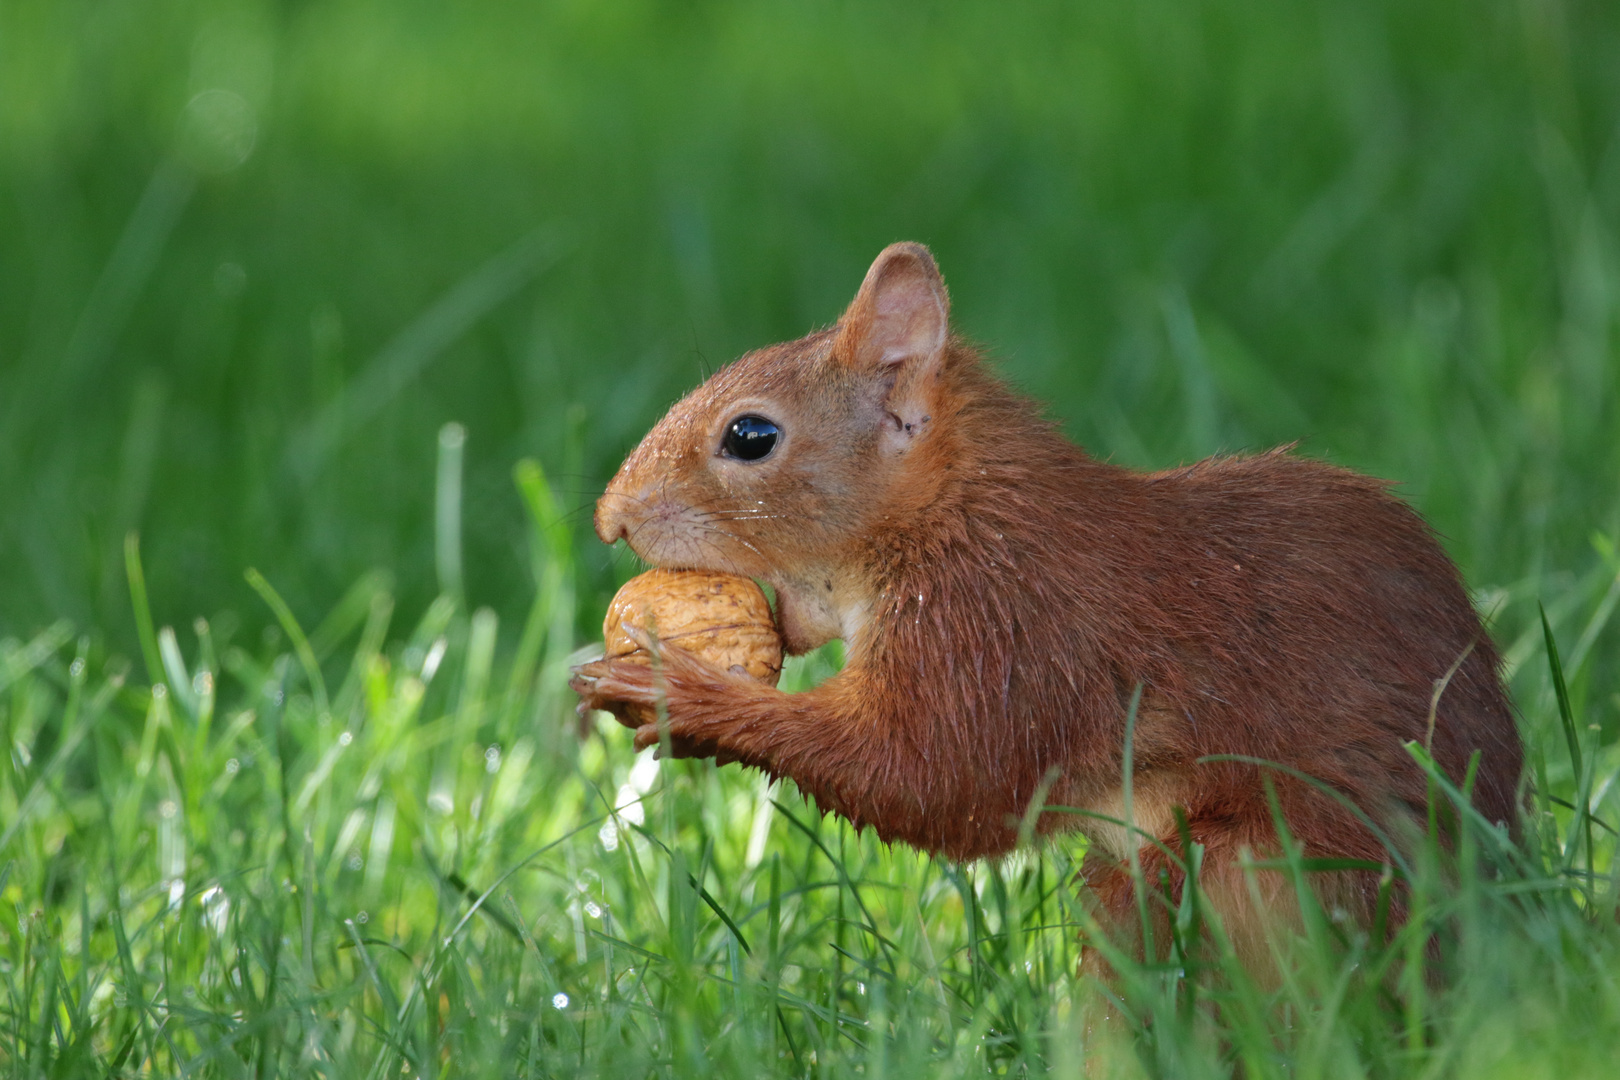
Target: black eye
point(749, 438)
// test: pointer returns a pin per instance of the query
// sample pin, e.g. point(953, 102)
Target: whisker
point(730, 536)
point(721, 555)
point(629, 497)
point(631, 539)
point(741, 516)
point(743, 513)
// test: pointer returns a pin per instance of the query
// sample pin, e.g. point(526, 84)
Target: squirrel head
point(786, 461)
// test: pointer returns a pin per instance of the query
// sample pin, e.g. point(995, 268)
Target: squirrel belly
point(1004, 598)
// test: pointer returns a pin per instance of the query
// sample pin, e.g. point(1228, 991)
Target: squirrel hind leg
point(1256, 909)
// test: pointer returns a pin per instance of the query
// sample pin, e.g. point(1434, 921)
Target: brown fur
point(1002, 594)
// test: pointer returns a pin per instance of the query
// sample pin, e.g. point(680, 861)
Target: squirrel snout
point(618, 512)
point(610, 525)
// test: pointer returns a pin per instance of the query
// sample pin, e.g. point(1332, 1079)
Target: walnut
point(724, 619)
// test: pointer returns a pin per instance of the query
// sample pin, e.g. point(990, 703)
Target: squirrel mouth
point(672, 549)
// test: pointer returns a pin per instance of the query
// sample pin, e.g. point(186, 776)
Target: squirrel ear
point(896, 328)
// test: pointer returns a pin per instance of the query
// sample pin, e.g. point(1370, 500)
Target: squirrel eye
point(749, 438)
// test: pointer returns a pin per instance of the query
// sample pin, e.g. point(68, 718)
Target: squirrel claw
point(613, 686)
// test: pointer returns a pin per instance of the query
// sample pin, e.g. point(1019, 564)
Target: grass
point(377, 850)
point(373, 297)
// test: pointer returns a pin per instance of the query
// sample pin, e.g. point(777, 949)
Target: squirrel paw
point(693, 690)
point(632, 690)
point(613, 686)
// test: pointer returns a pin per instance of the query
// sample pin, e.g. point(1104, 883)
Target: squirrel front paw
point(694, 691)
point(615, 686)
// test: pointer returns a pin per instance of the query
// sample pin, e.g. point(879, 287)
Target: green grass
point(371, 849)
point(335, 817)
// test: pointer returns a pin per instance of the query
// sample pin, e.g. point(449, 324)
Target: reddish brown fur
point(1002, 594)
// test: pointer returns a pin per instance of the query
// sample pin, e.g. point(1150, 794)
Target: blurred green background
point(254, 255)
point(257, 258)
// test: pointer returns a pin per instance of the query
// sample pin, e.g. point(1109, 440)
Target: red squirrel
point(1002, 596)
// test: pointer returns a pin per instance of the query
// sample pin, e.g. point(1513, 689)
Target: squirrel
point(1009, 604)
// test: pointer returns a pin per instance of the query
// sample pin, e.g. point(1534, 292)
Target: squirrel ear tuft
point(900, 317)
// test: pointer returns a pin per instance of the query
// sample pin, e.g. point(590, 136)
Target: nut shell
point(724, 619)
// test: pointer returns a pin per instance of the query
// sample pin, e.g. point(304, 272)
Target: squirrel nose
point(610, 528)
point(611, 525)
